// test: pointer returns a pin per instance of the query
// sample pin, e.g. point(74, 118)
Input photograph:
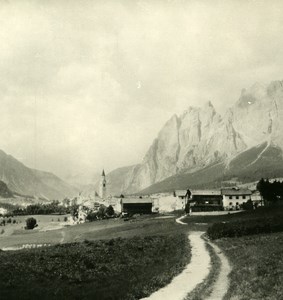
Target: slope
point(249, 166)
point(26, 181)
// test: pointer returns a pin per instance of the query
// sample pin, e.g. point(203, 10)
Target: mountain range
point(31, 182)
point(202, 148)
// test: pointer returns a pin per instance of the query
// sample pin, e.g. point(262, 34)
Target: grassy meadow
point(257, 266)
point(104, 229)
point(254, 249)
point(108, 260)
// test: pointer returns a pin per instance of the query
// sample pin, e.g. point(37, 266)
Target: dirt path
point(194, 273)
point(179, 220)
point(63, 237)
point(221, 285)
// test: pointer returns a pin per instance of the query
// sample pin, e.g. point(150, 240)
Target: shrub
point(101, 211)
point(65, 219)
point(31, 223)
point(91, 216)
point(248, 205)
point(14, 221)
point(247, 227)
point(9, 221)
point(109, 211)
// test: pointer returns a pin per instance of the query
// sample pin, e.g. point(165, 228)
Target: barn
point(136, 205)
point(206, 200)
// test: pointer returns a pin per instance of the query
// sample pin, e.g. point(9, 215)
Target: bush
point(9, 221)
point(92, 216)
point(109, 211)
point(65, 219)
point(247, 227)
point(248, 205)
point(31, 223)
point(101, 211)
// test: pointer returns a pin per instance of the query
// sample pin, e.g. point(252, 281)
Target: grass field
point(121, 268)
point(197, 222)
point(103, 229)
point(15, 234)
point(257, 263)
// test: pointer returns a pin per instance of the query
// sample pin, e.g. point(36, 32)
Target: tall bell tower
point(102, 186)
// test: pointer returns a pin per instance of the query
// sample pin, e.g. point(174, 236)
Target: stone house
point(233, 198)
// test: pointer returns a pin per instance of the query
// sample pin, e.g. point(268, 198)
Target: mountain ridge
point(24, 180)
point(200, 137)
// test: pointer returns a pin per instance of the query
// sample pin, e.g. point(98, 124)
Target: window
point(230, 203)
point(244, 197)
point(230, 197)
point(237, 197)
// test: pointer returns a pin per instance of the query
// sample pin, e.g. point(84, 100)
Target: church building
point(102, 186)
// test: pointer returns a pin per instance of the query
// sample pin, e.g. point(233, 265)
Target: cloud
point(86, 85)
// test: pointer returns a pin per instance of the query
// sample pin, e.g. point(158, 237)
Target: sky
point(86, 85)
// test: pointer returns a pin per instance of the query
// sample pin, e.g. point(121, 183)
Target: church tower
point(102, 186)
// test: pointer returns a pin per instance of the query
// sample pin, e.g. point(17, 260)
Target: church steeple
point(102, 186)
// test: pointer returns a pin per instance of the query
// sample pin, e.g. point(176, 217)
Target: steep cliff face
point(201, 137)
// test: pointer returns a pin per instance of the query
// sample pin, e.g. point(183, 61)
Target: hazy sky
point(88, 84)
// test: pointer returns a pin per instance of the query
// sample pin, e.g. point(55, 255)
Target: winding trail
point(220, 287)
point(179, 220)
point(195, 272)
point(63, 237)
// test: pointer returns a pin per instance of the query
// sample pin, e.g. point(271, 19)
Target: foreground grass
point(257, 266)
point(197, 222)
point(106, 269)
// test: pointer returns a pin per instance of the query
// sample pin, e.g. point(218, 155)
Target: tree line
point(42, 209)
point(271, 192)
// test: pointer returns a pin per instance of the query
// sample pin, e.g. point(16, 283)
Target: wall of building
point(235, 200)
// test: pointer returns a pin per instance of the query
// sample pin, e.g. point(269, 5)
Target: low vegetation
point(31, 223)
point(106, 269)
point(42, 209)
point(265, 221)
point(257, 266)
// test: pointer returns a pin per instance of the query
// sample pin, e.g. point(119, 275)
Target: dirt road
point(194, 273)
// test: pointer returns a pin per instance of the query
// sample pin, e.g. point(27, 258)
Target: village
point(190, 201)
point(141, 152)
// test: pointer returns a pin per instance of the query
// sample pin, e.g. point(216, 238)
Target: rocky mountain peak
point(201, 137)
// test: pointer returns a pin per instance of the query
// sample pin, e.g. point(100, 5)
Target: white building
point(233, 198)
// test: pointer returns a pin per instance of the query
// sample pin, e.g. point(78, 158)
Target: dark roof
point(136, 200)
point(235, 191)
point(206, 192)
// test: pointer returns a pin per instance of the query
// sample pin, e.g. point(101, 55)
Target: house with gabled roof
point(206, 200)
point(233, 198)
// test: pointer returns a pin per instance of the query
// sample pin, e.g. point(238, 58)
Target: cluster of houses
point(217, 200)
point(197, 200)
